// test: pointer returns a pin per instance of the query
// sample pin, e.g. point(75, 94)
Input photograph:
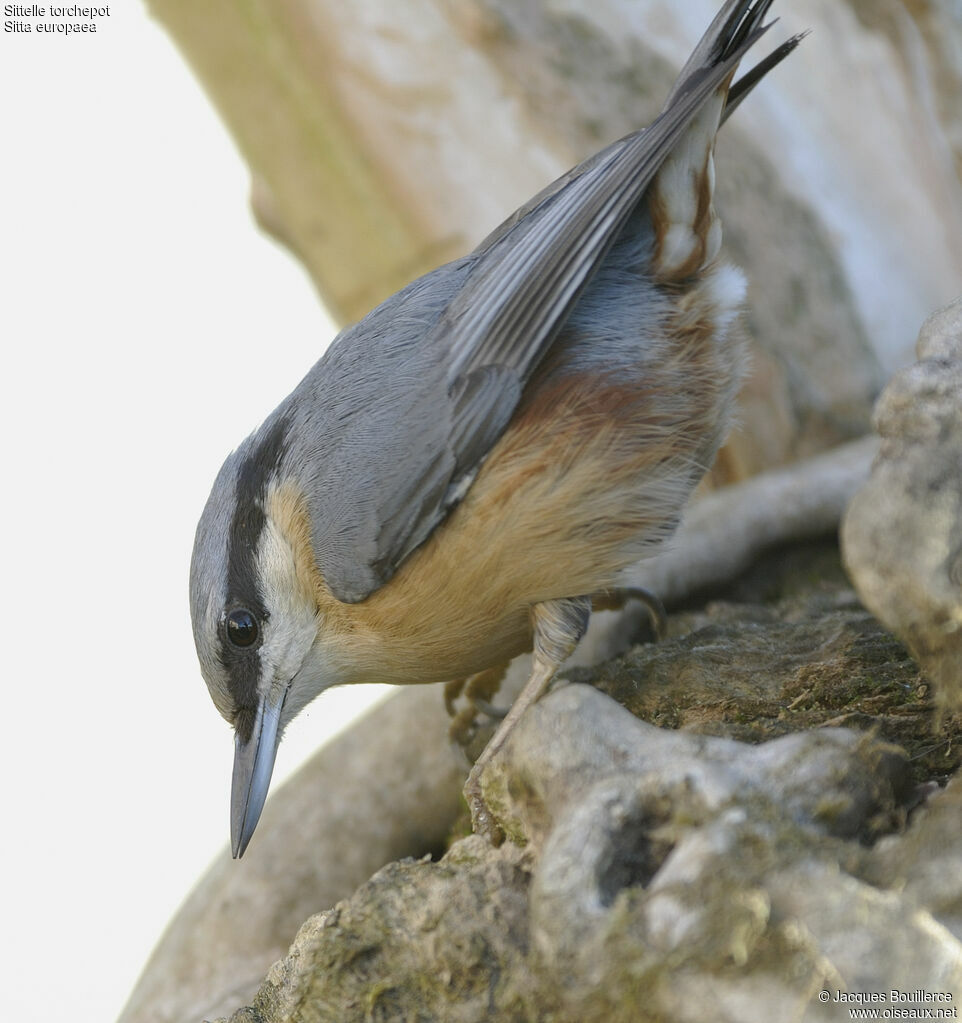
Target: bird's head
point(257, 624)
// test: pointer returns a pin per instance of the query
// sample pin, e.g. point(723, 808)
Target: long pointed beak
point(253, 765)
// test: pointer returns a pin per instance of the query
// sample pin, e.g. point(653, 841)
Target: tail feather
point(680, 200)
point(750, 79)
point(731, 26)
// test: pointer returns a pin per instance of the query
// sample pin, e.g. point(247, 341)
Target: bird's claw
point(477, 691)
point(616, 599)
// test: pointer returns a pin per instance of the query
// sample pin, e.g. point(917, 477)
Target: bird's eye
point(241, 627)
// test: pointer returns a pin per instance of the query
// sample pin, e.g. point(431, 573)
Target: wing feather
point(406, 404)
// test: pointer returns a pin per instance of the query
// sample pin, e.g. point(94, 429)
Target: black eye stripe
point(256, 468)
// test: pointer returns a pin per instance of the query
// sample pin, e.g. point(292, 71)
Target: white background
point(146, 328)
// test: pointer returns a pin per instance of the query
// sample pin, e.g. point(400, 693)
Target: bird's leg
point(558, 626)
point(615, 600)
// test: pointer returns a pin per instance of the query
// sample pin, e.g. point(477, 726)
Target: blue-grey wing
point(404, 407)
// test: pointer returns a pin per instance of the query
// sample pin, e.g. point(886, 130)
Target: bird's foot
point(477, 690)
point(615, 600)
point(482, 820)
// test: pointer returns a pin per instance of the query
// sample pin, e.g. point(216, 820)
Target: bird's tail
point(687, 230)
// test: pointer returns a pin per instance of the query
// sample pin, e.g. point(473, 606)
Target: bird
point(490, 449)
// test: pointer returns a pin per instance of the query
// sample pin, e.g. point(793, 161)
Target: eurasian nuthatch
point(489, 448)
